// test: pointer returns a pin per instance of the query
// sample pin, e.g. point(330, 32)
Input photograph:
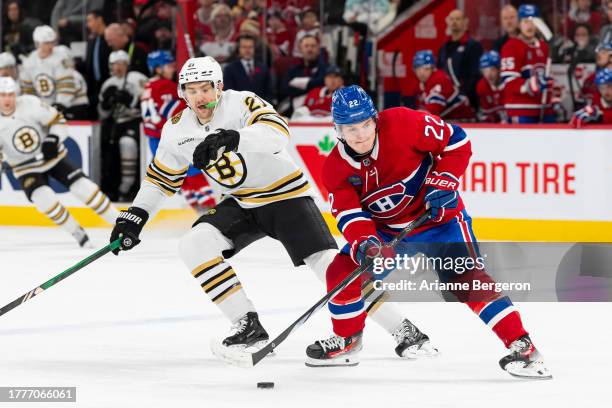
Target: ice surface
point(133, 331)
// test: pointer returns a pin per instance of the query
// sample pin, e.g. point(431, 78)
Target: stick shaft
point(60, 277)
point(268, 348)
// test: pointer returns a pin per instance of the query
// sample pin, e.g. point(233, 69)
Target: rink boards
point(523, 183)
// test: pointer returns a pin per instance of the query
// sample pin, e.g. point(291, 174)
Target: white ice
point(133, 331)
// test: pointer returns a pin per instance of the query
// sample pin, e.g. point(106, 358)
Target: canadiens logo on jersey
point(26, 140)
point(44, 85)
point(388, 202)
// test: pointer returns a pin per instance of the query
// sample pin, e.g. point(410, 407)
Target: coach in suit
point(247, 74)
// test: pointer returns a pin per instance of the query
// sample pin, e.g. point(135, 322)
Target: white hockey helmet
point(117, 56)
point(7, 60)
point(43, 34)
point(199, 70)
point(8, 85)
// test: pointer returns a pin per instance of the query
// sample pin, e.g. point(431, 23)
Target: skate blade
point(237, 355)
point(342, 362)
point(426, 350)
point(528, 373)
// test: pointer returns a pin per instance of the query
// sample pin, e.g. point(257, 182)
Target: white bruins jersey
point(80, 90)
point(260, 172)
point(51, 79)
point(134, 85)
point(22, 134)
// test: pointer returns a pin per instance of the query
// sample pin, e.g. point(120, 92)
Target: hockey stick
point(545, 91)
point(60, 277)
point(246, 359)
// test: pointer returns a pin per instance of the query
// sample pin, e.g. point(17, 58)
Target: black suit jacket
point(103, 61)
point(236, 78)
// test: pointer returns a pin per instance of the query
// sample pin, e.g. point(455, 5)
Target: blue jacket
point(261, 83)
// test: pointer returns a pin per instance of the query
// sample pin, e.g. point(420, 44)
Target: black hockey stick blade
point(246, 359)
point(60, 277)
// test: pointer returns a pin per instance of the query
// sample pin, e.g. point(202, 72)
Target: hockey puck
point(265, 385)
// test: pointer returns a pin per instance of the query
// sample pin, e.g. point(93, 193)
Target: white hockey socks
point(200, 249)
point(128, 153)
point(90, 194)
point(46, 201)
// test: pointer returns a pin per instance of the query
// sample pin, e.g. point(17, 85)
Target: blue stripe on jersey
point(436, 99)
point(168, 108)
point(414, 184)
point(494, 308)
point(458, 135)
point(343, 309)
point(342, 221)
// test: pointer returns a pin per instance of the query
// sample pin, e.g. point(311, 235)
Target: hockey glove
point(370, 248)
point(440, 195)
point(215, 144)
point(123, 97)
point(60, 108)
point(587, 114)
point(50, 147)
point(108, 97)
point(128, 227)
point(537, 83)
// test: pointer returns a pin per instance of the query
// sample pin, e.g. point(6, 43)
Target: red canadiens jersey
point(440, 96)
point(385, 190)
point(158, 103)
point(491, 105)
point(606, 109)
point(318, 101)
point(589, 89)
point(519, 60)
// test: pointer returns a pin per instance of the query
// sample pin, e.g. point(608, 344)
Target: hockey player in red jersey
point(488, 89)
point(386, 170)
point(600, 110)
point(438, 94)
point(159, 103)
point(523, 72)
point(603, 59)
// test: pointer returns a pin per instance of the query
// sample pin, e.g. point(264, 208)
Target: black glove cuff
point(52, 138)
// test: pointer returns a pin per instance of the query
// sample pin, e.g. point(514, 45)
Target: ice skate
point(335, 351)
point(525, 361)
point(81, 237)
point(412, 343)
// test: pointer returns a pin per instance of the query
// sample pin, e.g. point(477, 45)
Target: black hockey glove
point(128, 227)
point(215, 144)
point(50, 147)
point(108, 97)
point(123, 97)
point(60, 108)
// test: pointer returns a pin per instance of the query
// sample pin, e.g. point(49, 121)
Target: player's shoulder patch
point(176, 118)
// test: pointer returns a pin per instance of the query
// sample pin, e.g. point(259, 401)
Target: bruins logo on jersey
point(44, 85)
point(26, 140)
point(175, 119)
point(230, 170)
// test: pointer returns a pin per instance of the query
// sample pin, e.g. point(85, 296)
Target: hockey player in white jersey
point(31, 140)
point(239, 140)
point(8, 65)
point(77, 107)
point(119, 102)
point(46, 72)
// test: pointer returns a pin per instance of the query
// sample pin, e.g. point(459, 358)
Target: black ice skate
point(412, 343)
point(335, 351)
point(525, 361)
point(247, 332)
point(81, 237)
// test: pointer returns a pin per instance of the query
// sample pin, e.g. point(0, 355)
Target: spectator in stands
point(155, 30)
point(223, 44)
point(309, 21)
point(17, 29)
point(263, 52)
point(8, 65)
point(203, 20)
point(277, 34)
point(510, 25)
point(68, 18)
point(248, 73)
point(117, 39)
point(526, 86)
point(603, 59)
point(96, 59)
point(581, 49)
point(488, 89)
point(460, 55)
point(581, 12)
point(605, 35)
point(306, 75)
point(600, 111)
point(438, 94)
point(242, 9)
point(318, 100)
point(11, 20)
